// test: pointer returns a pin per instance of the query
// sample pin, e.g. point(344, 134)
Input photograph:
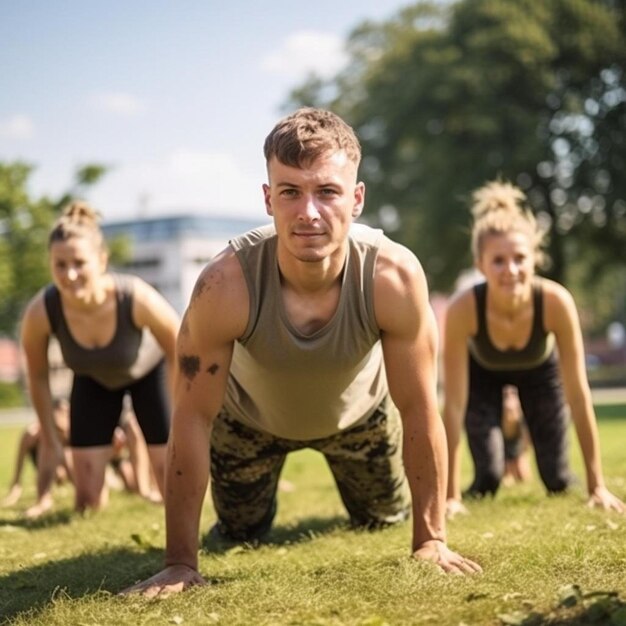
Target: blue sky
point(176, 97)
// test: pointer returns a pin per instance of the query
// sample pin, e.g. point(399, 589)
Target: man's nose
point(310, 210)
point(72, 274)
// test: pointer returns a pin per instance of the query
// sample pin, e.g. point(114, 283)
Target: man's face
point(313, 206)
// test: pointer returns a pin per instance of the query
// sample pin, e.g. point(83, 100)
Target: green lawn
point(546, 560)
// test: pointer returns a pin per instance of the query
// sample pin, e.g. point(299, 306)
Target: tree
point(447, 96)
point(24, 227)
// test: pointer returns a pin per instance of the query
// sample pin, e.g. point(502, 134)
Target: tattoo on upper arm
point(189, 366)
point(212, 369)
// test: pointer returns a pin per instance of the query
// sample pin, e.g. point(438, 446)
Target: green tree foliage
point(447, 96)
point(24, 226)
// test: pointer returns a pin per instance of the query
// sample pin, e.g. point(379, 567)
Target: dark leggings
point(95, 410)
point(541, 397)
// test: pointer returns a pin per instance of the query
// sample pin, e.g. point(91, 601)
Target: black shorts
point(95, 410)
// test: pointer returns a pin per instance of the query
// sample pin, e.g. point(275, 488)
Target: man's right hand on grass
point(173, 579)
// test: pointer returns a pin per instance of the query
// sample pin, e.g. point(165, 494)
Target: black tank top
point(539, 347)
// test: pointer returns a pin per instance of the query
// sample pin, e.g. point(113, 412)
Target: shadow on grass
point(48, 520)
point(305, 530)
point(31, 589)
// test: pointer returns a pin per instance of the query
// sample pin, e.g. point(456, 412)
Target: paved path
point(610, 395)
point(24, 415)
point(10, 417)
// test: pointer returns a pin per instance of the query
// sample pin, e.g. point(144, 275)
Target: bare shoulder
point(400, 289)
point(221, 280)
point(149, 306)
point(559, 305)
point(35, 313)
point(462, 302)
point(221, 295)
point(35, 327)
point(555, 294)
point(397, 268)
point(460, 318)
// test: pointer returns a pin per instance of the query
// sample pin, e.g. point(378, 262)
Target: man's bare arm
point(216, 316)
point(409, 340)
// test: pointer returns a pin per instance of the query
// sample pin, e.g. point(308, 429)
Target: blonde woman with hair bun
point(515, 328)
point(117, 334)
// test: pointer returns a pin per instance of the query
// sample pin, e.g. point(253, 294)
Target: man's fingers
point(153, 589)
point(471, 567)
point(461, 566)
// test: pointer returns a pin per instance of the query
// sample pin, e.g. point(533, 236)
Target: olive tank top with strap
point(304, 386)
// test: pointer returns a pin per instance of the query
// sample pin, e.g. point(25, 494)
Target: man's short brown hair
point(302, 137)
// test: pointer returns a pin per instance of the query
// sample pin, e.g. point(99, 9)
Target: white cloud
point(118, 103)
point(17, 127)
point(304, 52)
point(185, 180)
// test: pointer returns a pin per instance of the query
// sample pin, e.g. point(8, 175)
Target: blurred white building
point(169, 252)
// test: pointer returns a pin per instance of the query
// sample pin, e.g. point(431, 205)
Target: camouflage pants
point(366, 462)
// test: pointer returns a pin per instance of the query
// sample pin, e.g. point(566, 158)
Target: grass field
point(546, 560)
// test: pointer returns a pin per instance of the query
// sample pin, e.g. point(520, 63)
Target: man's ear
point(359, 199)
point(267, 199)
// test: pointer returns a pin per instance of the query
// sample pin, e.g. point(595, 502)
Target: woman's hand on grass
point(173, 579)
point(450, 562)
point(455, 507)
point(15, 493)
point(44, 504)
point(604, 499)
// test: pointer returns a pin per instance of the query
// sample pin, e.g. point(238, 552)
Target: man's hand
point(173, 579)
point(604, 499)
point(455, 507)
point(450, 562)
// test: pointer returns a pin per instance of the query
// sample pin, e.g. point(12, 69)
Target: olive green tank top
point(298, 386)
point(539, 347)
point(130, 355)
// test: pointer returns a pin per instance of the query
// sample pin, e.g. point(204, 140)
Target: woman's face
point(77, 265)
point(508, 262)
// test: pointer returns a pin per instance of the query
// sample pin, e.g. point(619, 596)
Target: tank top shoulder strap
point(538, 327)
point(124, 289)
point(52, 301)
point(480, 295)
